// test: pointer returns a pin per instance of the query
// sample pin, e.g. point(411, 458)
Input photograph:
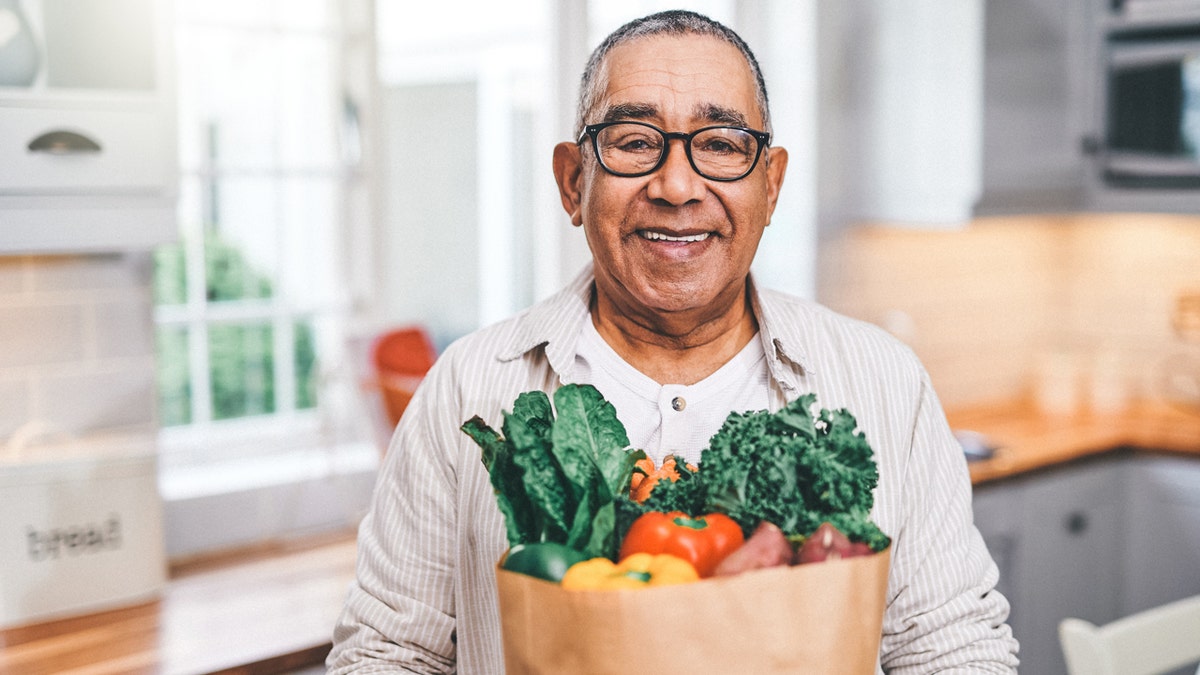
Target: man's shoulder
point(555, 318)
point(813, 327)
point(794, 311)
point(496, 340)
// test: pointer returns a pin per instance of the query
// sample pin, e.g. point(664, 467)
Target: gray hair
point(671, 22)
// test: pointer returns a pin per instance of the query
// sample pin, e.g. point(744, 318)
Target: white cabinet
point(1097, 539)
point(1055, 538)
point(1041, 71)
point(1162, 545)
point(87, 131)
point(899, 98)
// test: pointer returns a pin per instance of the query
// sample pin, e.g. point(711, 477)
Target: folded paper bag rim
point(824, 618)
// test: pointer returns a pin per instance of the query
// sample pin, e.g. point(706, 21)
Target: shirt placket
point(673, 410)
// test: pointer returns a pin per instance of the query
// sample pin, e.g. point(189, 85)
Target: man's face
point(672, 241)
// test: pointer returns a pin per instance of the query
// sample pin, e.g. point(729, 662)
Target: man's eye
point(721, 146)
point(637, 144)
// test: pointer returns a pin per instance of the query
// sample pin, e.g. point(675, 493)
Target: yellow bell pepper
point(636, 571)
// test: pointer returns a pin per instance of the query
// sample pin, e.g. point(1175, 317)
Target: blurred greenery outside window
point(242, 295)
point(241, 355)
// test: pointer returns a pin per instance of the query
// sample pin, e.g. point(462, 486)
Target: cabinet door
point(899, 110)
point(88, 158)
point(1039, 75)
point(1071, 521)
point(116, 152)
point(997, 517)
point(1162, 546)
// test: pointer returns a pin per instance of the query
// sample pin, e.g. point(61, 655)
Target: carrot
point(646, 475)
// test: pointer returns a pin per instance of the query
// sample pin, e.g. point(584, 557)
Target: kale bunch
point(790, 468)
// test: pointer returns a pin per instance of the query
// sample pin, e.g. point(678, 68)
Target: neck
point(677, 348)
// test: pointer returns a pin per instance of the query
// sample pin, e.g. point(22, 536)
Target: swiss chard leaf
point(507, 480)
point(557, 470)
point(588, 437)
point(550, 498)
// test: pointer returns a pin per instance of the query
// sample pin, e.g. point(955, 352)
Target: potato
point(766, 547)
point(828, 543)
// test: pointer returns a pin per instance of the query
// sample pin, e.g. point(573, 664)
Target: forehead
point(680, 77)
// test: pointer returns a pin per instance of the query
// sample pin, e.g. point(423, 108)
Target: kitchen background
point(339, 169)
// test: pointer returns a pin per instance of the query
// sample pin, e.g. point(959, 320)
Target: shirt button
point(678, 404)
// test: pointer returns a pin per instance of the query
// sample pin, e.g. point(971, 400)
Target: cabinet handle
point(1077, 523)
point(63, 143)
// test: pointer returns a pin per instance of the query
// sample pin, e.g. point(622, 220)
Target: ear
point(776, 168)
point(568, 172)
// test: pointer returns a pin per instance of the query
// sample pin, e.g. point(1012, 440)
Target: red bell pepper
point(703, 541)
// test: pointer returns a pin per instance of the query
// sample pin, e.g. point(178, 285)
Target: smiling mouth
point(659, 236)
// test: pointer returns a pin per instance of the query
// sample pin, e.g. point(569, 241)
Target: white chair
point(1150, 642)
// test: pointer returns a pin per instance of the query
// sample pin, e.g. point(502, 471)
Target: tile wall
point(997, 308)
point(76, 345)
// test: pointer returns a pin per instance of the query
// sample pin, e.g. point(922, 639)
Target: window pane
point(228, 97)
point(174, 380)
point(170, 275)
point(310, 245)
point(306, 366)
point(229, 275)
point(242, 248)
point(605, 17)
point(457, 22)
point(242, 370)
point(235, 12)
point(306, 102)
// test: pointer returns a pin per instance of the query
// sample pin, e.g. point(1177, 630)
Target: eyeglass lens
point(720, 152)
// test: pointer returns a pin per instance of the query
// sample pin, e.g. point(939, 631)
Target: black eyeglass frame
point(593, 131)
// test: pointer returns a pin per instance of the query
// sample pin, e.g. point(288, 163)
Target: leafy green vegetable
point(565, 479)
point(557, 479)
point(789, 468)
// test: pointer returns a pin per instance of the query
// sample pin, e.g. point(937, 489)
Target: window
point(250, 301)
point(446, 205)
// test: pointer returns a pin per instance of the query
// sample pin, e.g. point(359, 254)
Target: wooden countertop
point(1028, 440)
point(268, 611)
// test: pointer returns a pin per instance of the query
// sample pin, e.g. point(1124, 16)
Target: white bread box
point(80, 528)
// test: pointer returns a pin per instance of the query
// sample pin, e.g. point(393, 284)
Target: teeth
point(658, 236)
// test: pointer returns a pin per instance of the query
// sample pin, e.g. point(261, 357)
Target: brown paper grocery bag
point(823, 618)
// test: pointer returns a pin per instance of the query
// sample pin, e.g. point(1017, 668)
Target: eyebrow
point(720, 115)
point(709, 112)
point(630, 111)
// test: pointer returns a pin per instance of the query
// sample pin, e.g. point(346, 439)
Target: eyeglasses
point(632, 149)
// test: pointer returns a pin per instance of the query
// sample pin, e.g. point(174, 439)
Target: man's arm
point(399, 614)
point(946, 615)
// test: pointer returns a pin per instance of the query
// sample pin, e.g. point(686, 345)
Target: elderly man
point(672, 179)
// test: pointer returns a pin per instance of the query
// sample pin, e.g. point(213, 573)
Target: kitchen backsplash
point(997, 309)
point(76, 345)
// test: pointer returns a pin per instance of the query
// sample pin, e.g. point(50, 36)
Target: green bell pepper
point(544, 560)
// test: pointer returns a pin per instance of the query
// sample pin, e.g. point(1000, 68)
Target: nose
point(675, 182)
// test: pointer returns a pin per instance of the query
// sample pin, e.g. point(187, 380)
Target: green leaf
point(533, 408)
point(550, 499)
point(588, 438)
point(795, 418)
point(487, 438)
point(792, 468)
point(603, 541)
point(507, 480)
